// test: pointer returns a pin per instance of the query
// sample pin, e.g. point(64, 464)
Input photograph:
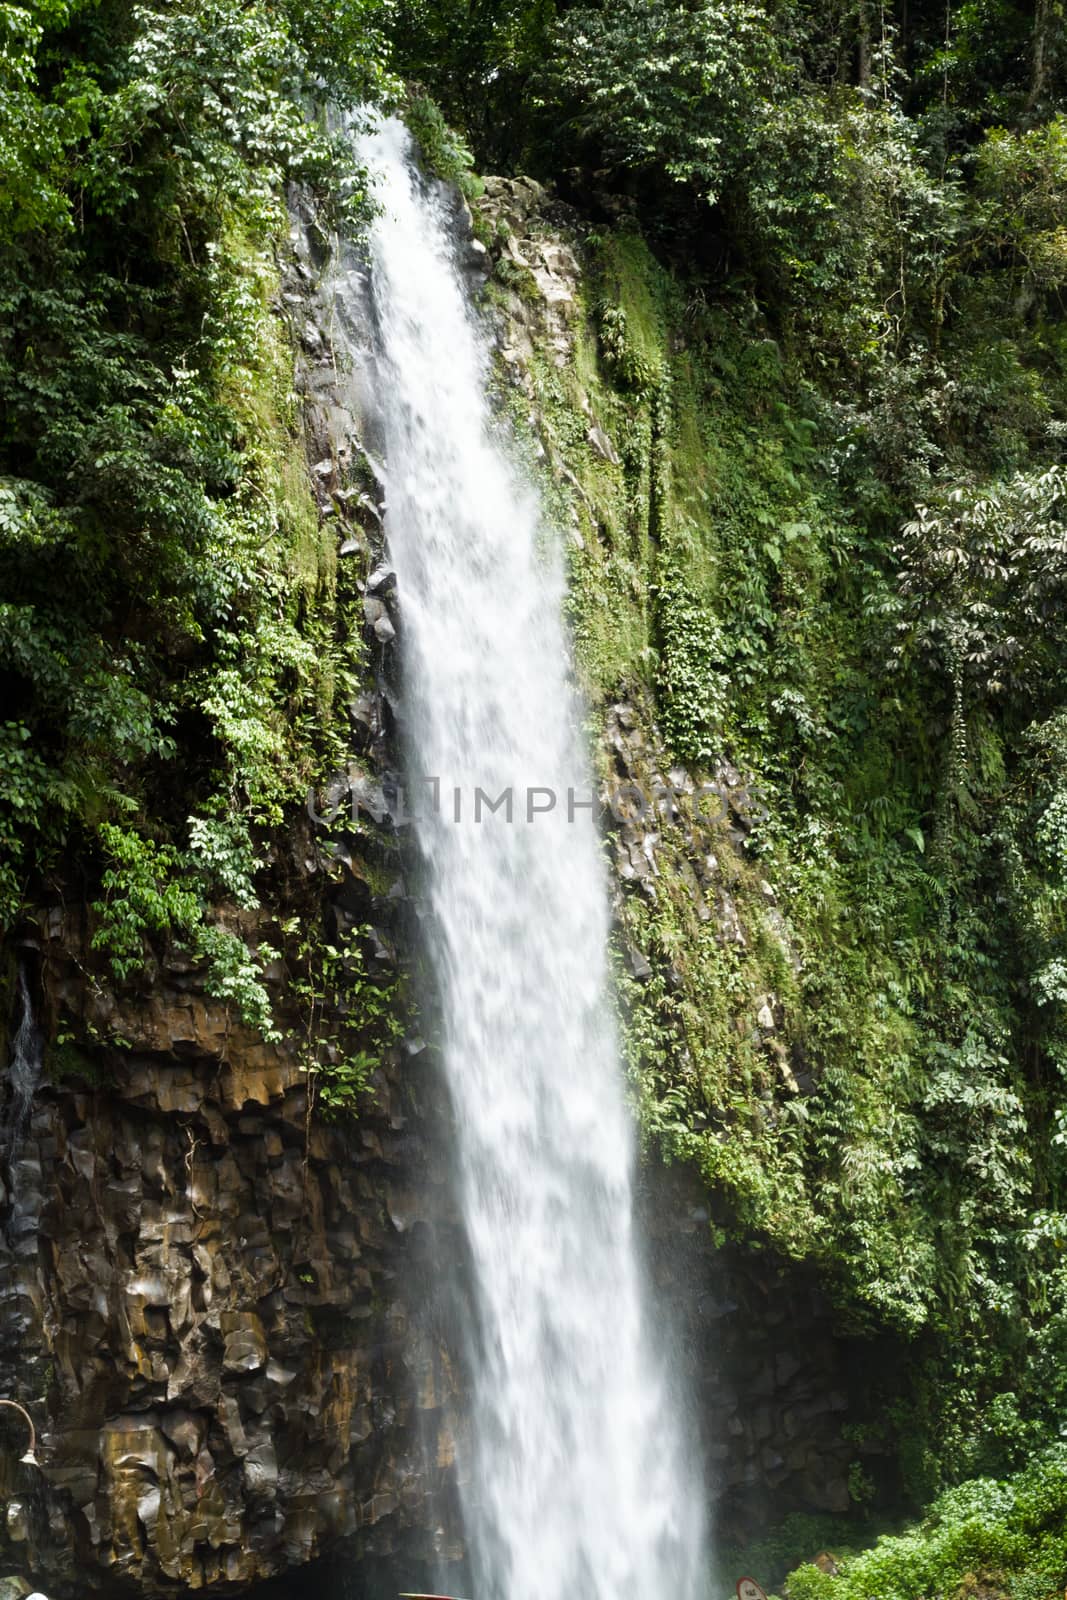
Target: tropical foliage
point(168, 663)
point(825, 327)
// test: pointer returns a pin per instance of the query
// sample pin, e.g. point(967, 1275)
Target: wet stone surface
point(207, 1303)
point(235, 1325)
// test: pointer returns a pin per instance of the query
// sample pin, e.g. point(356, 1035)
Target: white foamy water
point(25, 1067)
point(579, 1484)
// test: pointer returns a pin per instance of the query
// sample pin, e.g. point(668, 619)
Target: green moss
point(723, 581)
point(710, 563)
point(443, 150)
point(65, 1059)
point(259, 394)
point(511, 275)
point(632, 307)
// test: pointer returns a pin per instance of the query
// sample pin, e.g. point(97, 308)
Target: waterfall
point(22, 1172)
point(25, 1068)
point(579, 1482)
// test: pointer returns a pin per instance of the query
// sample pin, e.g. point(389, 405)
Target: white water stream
point(579, 1485)
point(25, 1067)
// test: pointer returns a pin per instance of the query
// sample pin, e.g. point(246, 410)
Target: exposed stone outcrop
point(223, 1358)
point(774, 1380)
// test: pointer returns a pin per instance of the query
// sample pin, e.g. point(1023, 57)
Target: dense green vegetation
point(172, 637)
point(825, 327)
point(980, 1539)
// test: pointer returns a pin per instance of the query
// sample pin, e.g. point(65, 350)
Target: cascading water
point(580, 1484)
point(25, 1068)
point(22, 1174)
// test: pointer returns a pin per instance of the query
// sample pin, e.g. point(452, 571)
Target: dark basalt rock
point(218, 1333)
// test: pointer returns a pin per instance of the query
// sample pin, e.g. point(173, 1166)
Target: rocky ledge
point(208, 1300)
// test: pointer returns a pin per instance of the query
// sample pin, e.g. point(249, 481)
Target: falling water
point(25, 1068)
point(21, 1170)
point(579, 1484)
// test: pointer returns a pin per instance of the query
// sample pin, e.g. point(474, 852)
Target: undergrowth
point(746, 575)
point(987, 1539)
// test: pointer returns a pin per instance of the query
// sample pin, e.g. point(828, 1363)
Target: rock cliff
point(208, 1301)
point(230, 1317)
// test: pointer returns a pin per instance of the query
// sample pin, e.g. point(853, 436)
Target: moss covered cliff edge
point(790, 369)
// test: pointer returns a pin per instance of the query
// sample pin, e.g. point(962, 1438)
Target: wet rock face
point(758, 1349)
point(217, 1305)
point(773, 1380)
point(222, 1355)
point(231, 1321)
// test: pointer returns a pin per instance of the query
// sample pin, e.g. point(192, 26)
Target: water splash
point(580, 1483)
